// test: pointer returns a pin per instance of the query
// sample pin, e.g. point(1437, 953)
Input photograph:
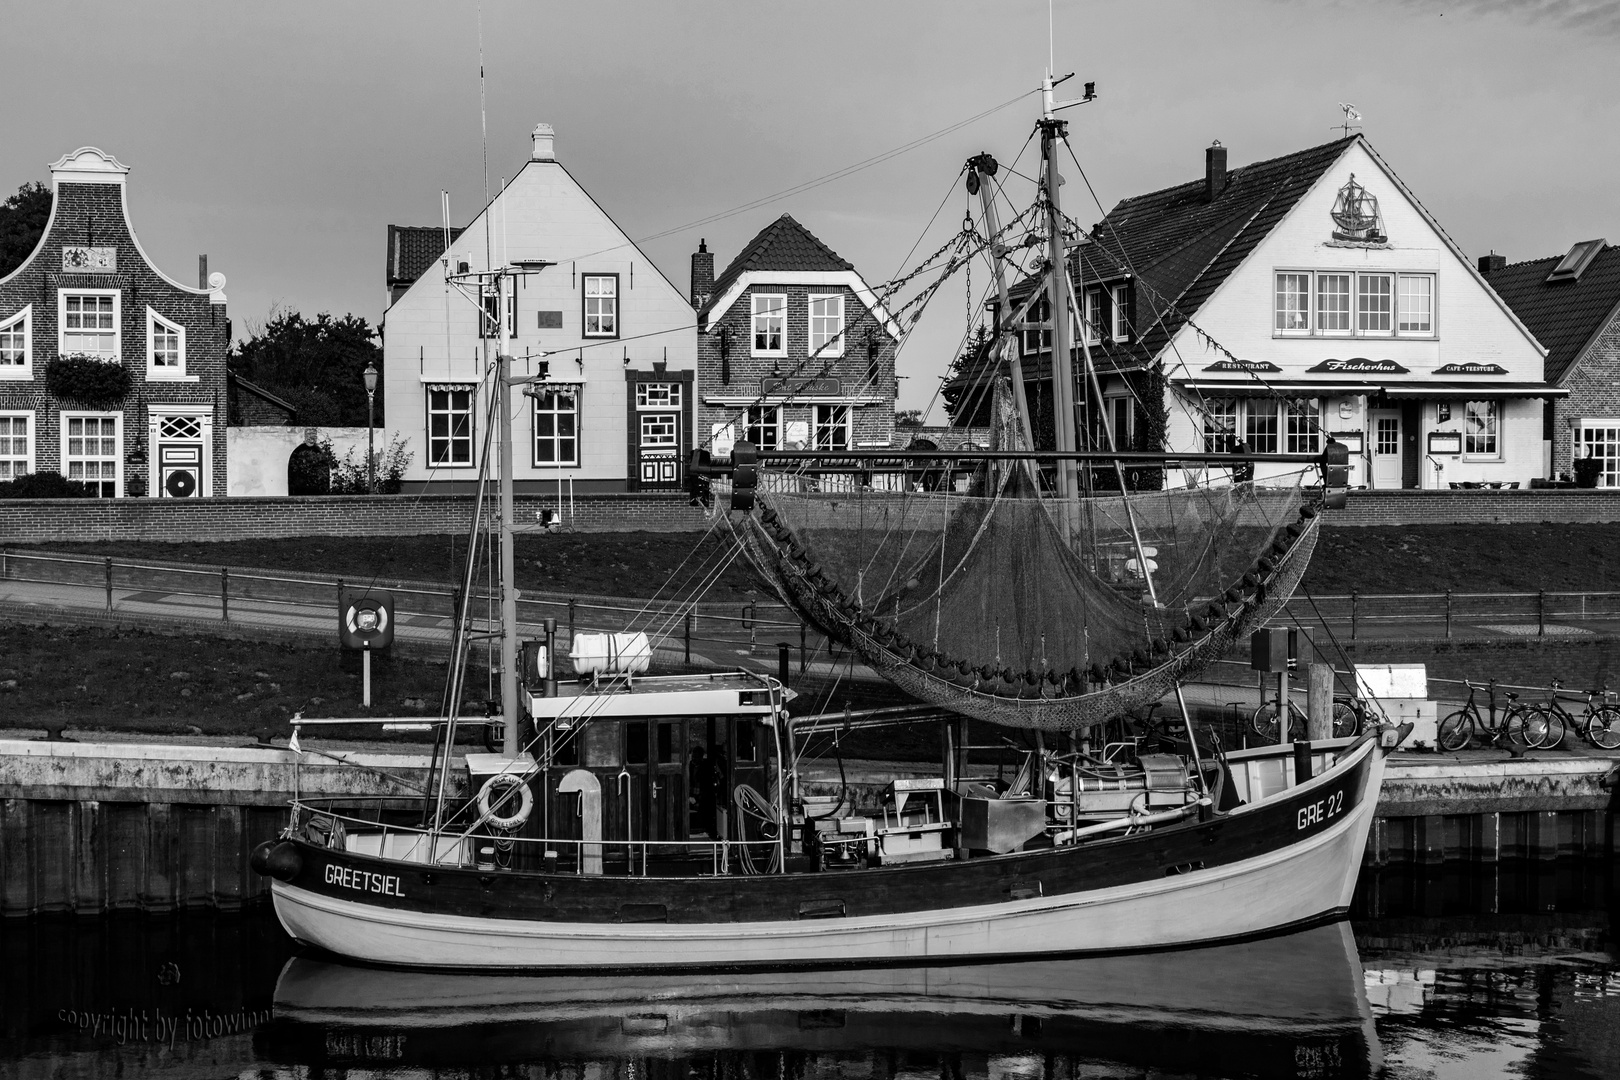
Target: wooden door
point(655, 758)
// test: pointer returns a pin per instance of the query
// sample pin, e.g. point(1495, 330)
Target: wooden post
point(1284, 715)
point(1319, 701)
point(224, 594)
point(1353, 602)
point(688, 636)
point(1541, 612)
point(1448, 613)
point(108, 567)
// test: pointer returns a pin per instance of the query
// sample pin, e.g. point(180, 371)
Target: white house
point(619, 340)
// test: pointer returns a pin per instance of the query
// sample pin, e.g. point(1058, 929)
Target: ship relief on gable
point(1356, 217)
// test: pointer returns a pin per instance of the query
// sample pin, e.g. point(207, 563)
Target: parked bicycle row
point(1536, 725)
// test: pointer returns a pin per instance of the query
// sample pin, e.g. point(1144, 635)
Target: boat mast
point(509, 629)
point(983, 168)
point(1063, 409)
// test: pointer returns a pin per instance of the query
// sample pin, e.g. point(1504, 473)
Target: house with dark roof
point(1572, 304)
point(1283, 301)
point(794, 348)
point(612, 339)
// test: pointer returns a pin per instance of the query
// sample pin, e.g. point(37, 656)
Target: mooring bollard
point(1355, 599)
point(108, 568)
point(224, 594)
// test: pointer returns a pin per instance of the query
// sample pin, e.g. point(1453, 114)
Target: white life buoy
point(492, 793)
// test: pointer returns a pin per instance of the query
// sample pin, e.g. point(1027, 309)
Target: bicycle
point(1559, 719)
point(1458, 728)
point(1602, 727)
point(1347, 719)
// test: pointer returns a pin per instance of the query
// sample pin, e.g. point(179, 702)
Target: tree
point(316, 365)
point(908, 418)
point(22, 223)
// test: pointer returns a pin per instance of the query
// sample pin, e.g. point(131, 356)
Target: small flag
point(1350, 112)
point(292, 743)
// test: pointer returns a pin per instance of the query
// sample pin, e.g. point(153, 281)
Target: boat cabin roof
point(735, 693)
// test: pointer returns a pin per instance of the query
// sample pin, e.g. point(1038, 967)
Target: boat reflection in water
point(1284, 1006)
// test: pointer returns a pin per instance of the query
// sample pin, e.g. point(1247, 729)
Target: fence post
point(571, 603)
point(1541, 612)
point(688, 636)
point(1448, 613)
point(224, 594)
point(1355, 600)
point(107, 566)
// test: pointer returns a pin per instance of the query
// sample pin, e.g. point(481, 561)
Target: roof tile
point(1564, 315)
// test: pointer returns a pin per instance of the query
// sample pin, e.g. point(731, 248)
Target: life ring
point(491, 794)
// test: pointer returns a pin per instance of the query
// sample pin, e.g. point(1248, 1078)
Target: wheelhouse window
point(91, 449)
point(556, 428)
point(1333, 303)
point(1036, 329)
point(1374, 303)
point(16, 348)
point(832, 427)
point(763, 426)
point(601, 305)
point(1220, 425)
point(1293, 304)
point(1302, 426)
point(827, 325)
point(89, 323)
point(16, 445)
point(165, 347)
point(450, 426)
point(1416, 304)
point(770, 324)
point(1480, 430)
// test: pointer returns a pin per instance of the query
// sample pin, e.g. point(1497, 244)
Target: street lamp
point(370, 375)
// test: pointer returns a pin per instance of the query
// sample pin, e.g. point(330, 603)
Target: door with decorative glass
point(1385, 437)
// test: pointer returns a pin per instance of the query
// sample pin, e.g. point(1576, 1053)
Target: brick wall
point(1594, 392)
point(1522, 507)
point(27, 521)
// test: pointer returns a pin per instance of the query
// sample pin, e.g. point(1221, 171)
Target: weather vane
point(1352, 118)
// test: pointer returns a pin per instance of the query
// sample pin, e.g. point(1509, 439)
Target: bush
point(44, 485)
point(350, 475)
point(87, 379)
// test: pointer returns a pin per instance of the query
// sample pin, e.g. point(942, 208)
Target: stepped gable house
point(1280, 301)
point(794, 348)
point(616, 342)
point(1572, 303)
point(111, 372)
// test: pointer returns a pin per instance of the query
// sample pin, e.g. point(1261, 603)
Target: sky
point(282, 139)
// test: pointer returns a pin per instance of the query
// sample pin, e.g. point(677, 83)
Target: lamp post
point(370, 375)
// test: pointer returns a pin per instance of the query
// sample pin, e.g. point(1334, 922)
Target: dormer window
point(1121, 313)
point(1036, 334)
point(89, 322)
point(165, 348)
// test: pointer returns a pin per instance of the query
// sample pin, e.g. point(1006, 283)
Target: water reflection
point(1449, 972)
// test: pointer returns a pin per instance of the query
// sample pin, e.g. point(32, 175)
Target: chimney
point(545, 138)
point(1214, 170)
point(702, 274)
point(1491, 262)
point(202, 271)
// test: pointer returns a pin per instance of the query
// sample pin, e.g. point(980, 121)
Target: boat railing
point(346, 827)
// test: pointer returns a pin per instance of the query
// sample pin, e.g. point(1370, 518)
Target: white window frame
point(833, 342)
point(154, 373)
point(1316, 313)
point(616, 315)
point(32, 437)
point(838, 417)
point(450, 438)
point(1124, 433)
point(658, 395)
point(554, 437)
point(64, 423)
point(1321, 312)
point(768, 417)
point(1401, 309)
point(1119, 312)
point(1035, 332)
point(489, 315)
point(1302, 426)
point(1493, 430)
point(662, 440)
point(1258, 414)
point(1300, 284)
point(1219, 435)
point(24, 371)
point(117, 326)
point(1587, 436)
point(1363, 311)
point(771, 307)
point(1094, 316)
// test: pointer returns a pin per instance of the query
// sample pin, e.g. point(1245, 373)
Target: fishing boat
point(633, 822)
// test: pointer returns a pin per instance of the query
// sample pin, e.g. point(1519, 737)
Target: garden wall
point(1524, 506)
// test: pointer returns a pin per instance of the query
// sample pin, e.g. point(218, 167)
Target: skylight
point(1579, 258)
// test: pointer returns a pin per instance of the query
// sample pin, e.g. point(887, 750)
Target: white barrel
point(611, 654)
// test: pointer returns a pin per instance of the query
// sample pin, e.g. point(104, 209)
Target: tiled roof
point(1563, 315)
point(412, 249)
point(784, 244)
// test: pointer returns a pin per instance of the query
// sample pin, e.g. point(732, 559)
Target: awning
point(1474, 391)
point(1272, 387)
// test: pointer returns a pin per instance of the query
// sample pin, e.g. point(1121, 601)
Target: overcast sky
point(282, 138)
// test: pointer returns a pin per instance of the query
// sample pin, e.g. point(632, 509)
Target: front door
point(1385, 438)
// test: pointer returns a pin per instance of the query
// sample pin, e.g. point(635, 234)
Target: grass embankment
point(1466, 558)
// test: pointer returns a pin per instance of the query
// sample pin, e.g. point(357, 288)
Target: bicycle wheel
point(1264, 722)
point(1455, 730)
point(1346, 721)
point(1603, 727)
point(1557, 728)
point(1537, 727)
point(1512, 727)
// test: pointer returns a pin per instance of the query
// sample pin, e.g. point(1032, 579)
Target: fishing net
point(1026, 611)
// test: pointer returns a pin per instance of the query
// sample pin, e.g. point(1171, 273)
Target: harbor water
point(1469, 969)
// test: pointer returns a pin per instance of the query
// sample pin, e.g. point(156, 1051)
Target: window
point(1480, 430)
point(658, 430)
point(1220, 425)
point(1599, 439)
point(1121, 423)
point(165, 348)
point(556, 428)
point(490, 326)
point(1416, 304)
point(1121, 313)
point(1387, 435)
point(601, 305)
point(827, 325)
point(1333, 303)
point(1293, 303)
point(1037, 327)
point(1094, 316)
point(91, 449)
point(16, 345)
point(770, 323)
point(832, 427)
point(1260, 426)
point(1302, 426)
point(763, 426)
point(658, 395)
point(89, 323)
point(450, 425)
point(1373, 303)
point(16, 445)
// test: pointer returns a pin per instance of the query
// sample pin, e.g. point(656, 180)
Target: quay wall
point(43, 521)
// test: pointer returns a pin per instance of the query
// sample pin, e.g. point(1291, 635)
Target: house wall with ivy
point(111, 372)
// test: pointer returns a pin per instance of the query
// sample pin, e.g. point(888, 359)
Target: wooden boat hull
point(1284, 862)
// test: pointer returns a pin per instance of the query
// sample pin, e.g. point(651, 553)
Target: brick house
point(89, 292)
point(1572, 304)
point(794, 348)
